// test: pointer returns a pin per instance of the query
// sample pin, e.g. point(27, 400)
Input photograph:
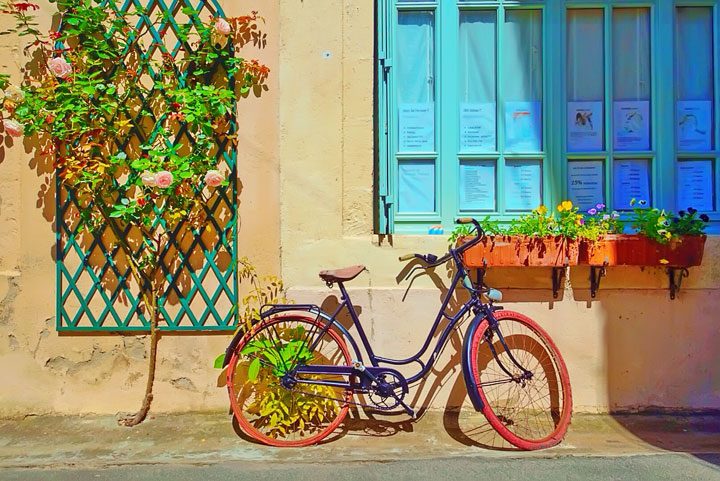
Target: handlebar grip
point(464, 220)
point(406, 257)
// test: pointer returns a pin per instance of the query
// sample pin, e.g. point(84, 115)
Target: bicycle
point(291, 378)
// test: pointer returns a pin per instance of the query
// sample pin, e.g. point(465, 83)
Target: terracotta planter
point(638, 250)
point(509, 251)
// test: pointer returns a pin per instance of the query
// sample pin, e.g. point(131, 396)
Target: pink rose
point(148, 179)
point(163, 179)
point(222, 26)
point(13, 128)
point(60, 67)
point(213, 178)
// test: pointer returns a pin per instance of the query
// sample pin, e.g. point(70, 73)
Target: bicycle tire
point(251, 396)
point(510, 406)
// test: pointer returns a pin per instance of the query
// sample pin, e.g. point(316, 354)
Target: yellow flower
point(566, 205)
point(661, 220)
point(560, 208)
point(664, 261)
point(542, 210)
point(668, 235)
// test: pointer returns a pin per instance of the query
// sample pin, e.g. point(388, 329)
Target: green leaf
point(219, 361)
point(254, 369)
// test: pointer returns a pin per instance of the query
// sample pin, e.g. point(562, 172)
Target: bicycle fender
point(470, 384)
point(343, 331)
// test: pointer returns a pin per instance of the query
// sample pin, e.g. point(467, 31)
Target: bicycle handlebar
point(433, 261)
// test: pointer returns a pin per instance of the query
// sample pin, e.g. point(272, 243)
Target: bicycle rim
point(271, 413)
point(530, 414)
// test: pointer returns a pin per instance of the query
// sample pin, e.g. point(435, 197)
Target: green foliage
point(488, 225)
point(539, 223)
point(108, 92)
point(277, 409)
point(663, 226)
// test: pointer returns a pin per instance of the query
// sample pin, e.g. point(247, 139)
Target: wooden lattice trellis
point(94, 287)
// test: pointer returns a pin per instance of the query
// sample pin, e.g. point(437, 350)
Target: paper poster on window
point(694, 125)
point(523, 126)
point(416, 124)
point(695, 185)
point(585, 126)
point(523, 180)
point(477, 185)
point(632, 125)
point(416, 186)
point(586, 181)
point(631, 181)
point(477, 127)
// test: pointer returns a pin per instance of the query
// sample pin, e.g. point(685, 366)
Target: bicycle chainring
point(387, 392)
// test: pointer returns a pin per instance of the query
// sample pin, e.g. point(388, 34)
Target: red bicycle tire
point(561, 427)
point(237, 410)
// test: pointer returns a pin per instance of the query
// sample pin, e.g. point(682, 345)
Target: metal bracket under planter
point(675, 276)
point(596, 273)
point(558, 273)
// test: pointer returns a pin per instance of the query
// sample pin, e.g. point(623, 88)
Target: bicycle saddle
point(341, 275)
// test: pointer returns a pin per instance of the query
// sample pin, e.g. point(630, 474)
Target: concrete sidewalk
point(92, 442)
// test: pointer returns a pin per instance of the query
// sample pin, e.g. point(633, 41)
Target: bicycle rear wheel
point(531, 412)
point(273, 412)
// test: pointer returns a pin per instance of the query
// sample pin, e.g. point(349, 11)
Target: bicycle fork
point(470, 382)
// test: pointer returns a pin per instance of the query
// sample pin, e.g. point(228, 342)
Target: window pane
point(694, 78)
point(631, 180)
point(631, 78)
point(695, 185)
point(586, 183)
point(523, 184)
point(415, 80)
point(522, 80)
point(416, 186)
point(585, 80)
point(477, 185)
point(477, 81)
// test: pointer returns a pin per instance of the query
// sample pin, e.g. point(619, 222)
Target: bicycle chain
point(354, 403)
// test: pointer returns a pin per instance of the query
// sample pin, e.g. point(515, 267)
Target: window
point(484, 109)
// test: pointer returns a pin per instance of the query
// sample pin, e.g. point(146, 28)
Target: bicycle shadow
point(459, 418)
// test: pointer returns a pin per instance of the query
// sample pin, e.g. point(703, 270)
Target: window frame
point(663, 154)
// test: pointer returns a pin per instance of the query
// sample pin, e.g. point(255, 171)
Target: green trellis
point(94, 288)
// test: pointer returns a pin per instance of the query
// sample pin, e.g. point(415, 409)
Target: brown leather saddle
point(341, 275)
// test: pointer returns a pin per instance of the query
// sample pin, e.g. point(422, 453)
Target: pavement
point(439, 445)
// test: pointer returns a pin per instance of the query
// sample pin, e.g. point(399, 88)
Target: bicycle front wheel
point(272, 410)
point(529, 407)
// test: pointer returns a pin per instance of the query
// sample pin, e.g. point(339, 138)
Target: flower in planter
point(59, 67)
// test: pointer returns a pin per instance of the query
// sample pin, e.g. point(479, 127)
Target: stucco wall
point(47, 372)
point(630, 348)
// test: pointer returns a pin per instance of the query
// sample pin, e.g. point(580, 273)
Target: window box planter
point(518, 251)
point(638, 250)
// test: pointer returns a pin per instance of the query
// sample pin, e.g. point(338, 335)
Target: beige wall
point(630, 348)
point(47, 372)
point(306, 165)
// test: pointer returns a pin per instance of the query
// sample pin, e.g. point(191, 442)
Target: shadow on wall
point(661, 356)
point(96, 280)
point(663, 359)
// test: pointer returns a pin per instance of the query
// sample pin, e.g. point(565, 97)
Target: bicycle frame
point(480, 310)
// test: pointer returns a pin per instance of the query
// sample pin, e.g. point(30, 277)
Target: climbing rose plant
point(89, 93)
